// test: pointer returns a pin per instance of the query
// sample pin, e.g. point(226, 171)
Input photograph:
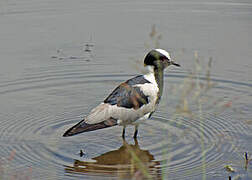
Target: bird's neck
point(159, 77)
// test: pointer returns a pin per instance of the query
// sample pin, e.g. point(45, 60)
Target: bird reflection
point(129, 161)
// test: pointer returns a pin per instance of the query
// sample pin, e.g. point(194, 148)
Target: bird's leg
point(136, 142)
point(136, 131)
point(123, 133)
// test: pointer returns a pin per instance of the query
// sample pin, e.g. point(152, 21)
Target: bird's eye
point(163, 58)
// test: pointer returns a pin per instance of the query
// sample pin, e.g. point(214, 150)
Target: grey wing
point(127, 95)
point(82, 126)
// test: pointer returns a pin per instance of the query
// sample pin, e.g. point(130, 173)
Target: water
point(43, 93)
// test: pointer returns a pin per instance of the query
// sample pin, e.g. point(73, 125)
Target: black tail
point(85, 127)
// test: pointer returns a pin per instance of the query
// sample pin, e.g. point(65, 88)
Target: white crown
point(164, 52)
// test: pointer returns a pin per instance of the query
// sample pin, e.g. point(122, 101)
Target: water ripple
point(172, 147)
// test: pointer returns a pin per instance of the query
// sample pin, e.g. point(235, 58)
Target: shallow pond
point(50, 79)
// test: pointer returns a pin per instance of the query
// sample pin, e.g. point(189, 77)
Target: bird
point(133, 101)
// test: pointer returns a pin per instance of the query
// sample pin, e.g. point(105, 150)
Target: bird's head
point(158, 59)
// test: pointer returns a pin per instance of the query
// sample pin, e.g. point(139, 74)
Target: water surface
point(44, 92)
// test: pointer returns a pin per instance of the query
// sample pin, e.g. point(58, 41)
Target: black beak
point(175, 64)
